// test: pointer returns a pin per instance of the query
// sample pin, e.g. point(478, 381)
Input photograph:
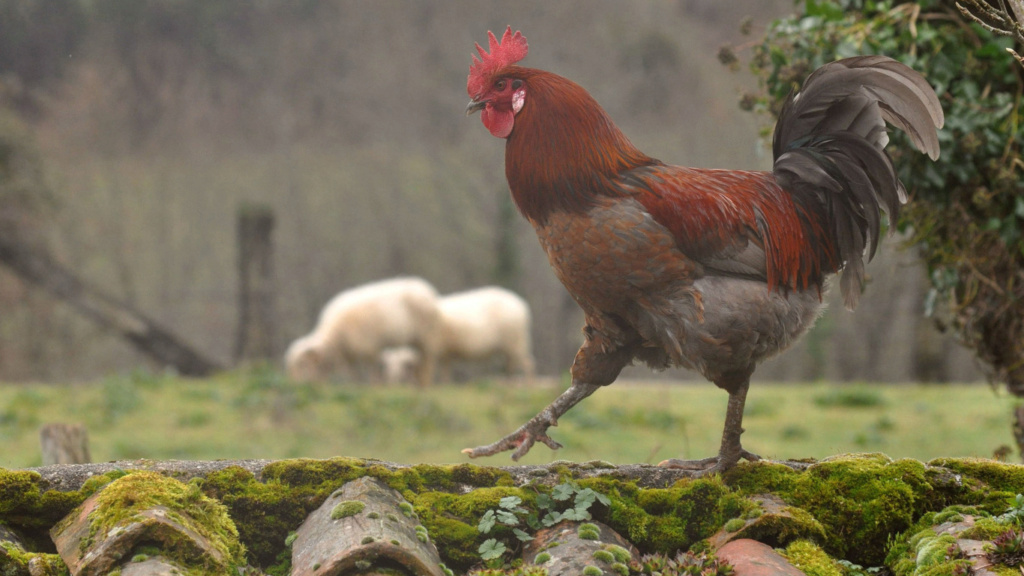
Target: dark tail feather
point(829, 144)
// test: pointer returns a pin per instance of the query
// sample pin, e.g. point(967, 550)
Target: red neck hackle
point(511, 49)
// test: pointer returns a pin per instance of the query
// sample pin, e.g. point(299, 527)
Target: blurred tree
point(38, 38)
point(24, 207)
point(966, 216)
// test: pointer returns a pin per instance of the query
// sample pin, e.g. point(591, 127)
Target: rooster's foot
point(536, 429)
point(712, 465)
point(521, 440)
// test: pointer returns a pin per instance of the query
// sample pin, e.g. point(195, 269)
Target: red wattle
point(498, 122)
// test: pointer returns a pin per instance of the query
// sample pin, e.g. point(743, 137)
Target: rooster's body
point(712, 270)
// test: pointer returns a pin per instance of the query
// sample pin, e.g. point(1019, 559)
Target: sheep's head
point(303, 361)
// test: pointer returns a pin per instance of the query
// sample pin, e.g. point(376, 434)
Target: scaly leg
point(731, 450)
point(536, 428)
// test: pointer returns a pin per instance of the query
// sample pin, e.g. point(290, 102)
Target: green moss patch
point(812, 560)
point(125, 497)
point(346, 509)
point(860, 500)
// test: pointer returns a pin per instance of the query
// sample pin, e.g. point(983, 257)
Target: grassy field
point(258, 414)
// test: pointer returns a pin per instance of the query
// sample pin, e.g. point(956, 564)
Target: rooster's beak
point(475, 106)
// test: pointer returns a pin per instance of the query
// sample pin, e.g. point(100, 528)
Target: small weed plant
point(567, 501)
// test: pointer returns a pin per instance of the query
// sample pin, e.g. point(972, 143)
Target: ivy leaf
point(510, 502)
point(551, 518)
point(486, 522)
point(507, 518)
point(533, 521)
point(584, 498)
point(544, 502)
point(523, 536)
point(563, 492)
point(576, 514)
point(491, 549)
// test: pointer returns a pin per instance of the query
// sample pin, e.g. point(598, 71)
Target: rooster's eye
point(500, 85)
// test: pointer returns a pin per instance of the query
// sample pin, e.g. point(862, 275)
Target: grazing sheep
point(475, 326)
point(358, 324)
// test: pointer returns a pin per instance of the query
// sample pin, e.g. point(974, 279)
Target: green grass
point(258, 414)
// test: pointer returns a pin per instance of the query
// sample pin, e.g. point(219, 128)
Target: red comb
point(510, 50)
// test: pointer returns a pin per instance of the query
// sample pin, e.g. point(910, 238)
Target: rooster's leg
point(731, 450)
point(536, 428)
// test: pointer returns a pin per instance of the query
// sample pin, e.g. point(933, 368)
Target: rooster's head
point(493, 88)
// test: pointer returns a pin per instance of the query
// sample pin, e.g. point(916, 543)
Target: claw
point(709, 466)
point(536, 428)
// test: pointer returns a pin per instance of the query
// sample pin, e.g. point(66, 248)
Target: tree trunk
point(36, 266)
point(255, 338)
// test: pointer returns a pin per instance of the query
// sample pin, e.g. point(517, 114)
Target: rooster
point(709, 270)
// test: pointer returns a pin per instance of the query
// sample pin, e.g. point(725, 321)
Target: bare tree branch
point(1005, 19)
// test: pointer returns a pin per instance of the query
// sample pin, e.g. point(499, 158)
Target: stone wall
point(838, 516)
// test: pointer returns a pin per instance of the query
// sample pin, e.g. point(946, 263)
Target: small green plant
point(541, 558)
point(684, 564)
point(491, 549)
point(567, 501)
point(1015, 512)
point(1008, 548)
point(592, 571)
point(366, 540)
point(290, 539)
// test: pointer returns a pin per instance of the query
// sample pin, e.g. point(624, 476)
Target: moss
point(346, 509)
point(667, 519)
point(129, 495)
point(604, 556)
point(592, 571)
point(860, 500)
point(986, 483)
point(14, 561)
point(406, 509)
point(999, 475)
point(921, 552)
point(781, 529)
point(542, 558)
point(984, 529)
point(734, 524)
point(811, 560)
point(22, 504)
point(620, 569)
point(453, 518)
point(264, 513)
point(620, 553)
point(588, 531)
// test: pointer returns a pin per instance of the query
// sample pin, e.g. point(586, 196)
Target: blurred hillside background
point(156, 121)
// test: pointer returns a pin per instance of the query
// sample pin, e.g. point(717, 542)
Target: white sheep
point(358, 324)
point(476, 325)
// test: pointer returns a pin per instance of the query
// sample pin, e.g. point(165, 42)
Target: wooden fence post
point(64, 444)
point(255, 337)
